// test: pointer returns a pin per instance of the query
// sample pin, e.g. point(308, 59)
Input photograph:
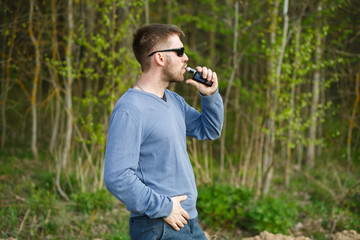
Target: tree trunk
point(68, 87)
point(310, 155)
point(35, 83)
point(54, 77)
point(268, 160)
point(322, 103)
point(351, 125)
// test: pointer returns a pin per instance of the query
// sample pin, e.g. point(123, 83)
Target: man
point(146, 162)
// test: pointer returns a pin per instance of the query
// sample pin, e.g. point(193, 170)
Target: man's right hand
point(178, 216)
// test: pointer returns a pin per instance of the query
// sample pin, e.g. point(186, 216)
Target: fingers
point(180, 198)
point(210, 76)
point(206, 72)
point(178, 217)
point(176, 222)
point(174, 226)
point(185, 215)
point(180, 223)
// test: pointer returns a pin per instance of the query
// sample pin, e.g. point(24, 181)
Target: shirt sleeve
point(207, 124)
point(121, 162)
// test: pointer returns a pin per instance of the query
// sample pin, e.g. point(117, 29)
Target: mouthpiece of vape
point(190, 70)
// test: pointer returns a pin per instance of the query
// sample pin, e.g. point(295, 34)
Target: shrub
point(272, 214)
point(228, 207)
point(223, 206)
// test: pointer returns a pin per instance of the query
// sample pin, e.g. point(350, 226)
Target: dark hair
point(147, 37)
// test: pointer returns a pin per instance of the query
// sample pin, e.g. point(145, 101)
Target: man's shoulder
point(127, 102)
point(174, 95)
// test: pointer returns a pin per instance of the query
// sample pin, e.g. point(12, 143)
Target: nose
point(185, 58)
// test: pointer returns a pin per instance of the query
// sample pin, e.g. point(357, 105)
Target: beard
point(171, 75)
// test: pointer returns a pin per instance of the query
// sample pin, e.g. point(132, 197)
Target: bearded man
point(147, 166)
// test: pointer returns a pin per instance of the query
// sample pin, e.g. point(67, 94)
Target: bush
point(274, 215)
point(226, 207)
point(222, 206)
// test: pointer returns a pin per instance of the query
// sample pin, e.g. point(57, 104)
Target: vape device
point(197, 76)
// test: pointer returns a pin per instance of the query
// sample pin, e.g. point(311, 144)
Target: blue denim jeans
point(145, 228)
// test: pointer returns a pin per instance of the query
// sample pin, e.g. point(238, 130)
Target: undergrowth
point(31, 207)
point(230, 208)
point(306, 202)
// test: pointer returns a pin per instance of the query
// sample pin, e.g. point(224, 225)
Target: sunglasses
point(179, 51)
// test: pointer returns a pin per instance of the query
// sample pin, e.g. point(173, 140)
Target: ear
point(159, 59)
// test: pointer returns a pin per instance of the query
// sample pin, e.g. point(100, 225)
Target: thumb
point(181, 198)
point(192, 82)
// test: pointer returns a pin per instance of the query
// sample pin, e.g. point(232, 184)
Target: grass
point(315, 202)
point(31, 208)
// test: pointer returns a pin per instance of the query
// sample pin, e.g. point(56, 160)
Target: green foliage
point(272, 214)
point(223, 206)
point(226, 207)
point(9, 218)
point(44, 180)
point(88, 202)
point(41, 200)
point(30, 199)
point(105, 68)
point(352, 202)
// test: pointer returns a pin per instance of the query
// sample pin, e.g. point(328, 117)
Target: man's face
point(174, 68)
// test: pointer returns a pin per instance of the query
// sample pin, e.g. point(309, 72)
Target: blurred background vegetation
point(288, 160)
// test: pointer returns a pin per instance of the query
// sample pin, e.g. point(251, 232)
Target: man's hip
point(145, 228)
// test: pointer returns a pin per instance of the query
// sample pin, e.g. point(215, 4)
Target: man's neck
point(152, 84)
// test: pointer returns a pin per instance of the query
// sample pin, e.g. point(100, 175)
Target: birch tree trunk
point(54, 77)
point(36, 44)
point(310, 154)
point(268, 160)
point(68, 87)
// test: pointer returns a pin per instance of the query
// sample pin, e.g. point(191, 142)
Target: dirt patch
point(269, 236)
point(344, 235)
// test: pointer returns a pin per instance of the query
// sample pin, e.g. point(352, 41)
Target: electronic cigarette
point(197, 76)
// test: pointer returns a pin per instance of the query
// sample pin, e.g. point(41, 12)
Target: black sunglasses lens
point(180, 52)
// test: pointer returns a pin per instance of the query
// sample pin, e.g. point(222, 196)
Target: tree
point(310, 160)
point(268, 161)
point(54, 76)
point(36, 44)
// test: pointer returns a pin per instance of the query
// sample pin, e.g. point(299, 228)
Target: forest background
point(288, 159)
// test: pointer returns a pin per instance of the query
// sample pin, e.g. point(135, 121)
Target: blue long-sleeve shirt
point(146, 160)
